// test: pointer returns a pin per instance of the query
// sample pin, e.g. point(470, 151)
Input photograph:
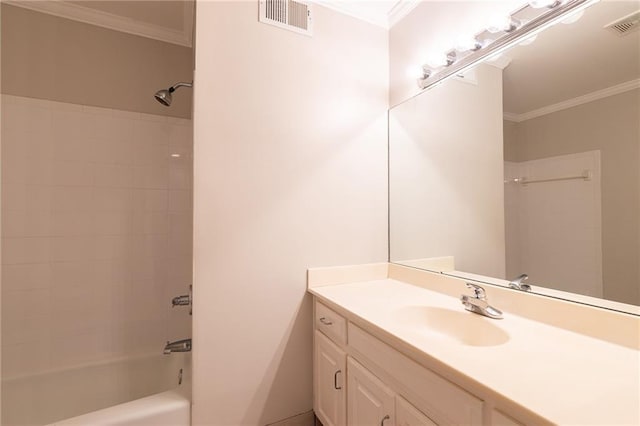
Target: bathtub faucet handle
point(183, 345)
point(184, 300)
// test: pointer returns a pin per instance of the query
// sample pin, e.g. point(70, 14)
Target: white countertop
point(564, 377)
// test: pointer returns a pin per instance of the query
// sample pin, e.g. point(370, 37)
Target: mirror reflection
point(532, 162)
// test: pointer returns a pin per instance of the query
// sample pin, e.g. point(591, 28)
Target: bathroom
point(277, 160)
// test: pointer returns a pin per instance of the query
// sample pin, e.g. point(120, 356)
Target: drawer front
point(331, 324)
point(441, 400)
point(500, 419)
point(408, 415)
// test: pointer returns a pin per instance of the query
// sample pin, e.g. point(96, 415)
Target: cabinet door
point(329, 382)
point(369, 401)
point(408, 415)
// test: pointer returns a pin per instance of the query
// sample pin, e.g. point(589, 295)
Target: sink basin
point(461, 326)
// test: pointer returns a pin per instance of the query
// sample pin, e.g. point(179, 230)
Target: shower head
point(165, 96)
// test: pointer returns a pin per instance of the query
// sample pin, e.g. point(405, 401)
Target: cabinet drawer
point(441, 400)
point(408, 415)
point(500, 419)
point(331, 324)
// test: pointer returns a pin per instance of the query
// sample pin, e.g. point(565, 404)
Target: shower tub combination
point(157, 388)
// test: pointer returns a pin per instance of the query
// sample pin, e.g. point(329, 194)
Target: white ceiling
point(571, 60)
point(384, 13)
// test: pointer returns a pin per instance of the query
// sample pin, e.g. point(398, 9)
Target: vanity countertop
point(561, 376)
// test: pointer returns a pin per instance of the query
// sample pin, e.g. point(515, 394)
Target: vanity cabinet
point(408, 415)
point(369, 401)
point(329, 382)
point(347, 393)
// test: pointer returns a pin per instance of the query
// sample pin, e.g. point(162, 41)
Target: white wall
point(445, 174)
point(290, 173)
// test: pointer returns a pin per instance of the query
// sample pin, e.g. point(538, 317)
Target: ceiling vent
point(288, 14)
point(626, 25)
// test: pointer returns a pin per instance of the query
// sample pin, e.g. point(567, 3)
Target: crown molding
point(347, 8)
point(589, 97)
point(111, 21)
point(399, 10)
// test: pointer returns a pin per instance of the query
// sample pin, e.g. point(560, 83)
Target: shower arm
point(180, 84)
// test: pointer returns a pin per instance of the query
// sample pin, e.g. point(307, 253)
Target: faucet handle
point(477, 290)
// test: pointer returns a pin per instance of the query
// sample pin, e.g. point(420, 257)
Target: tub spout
point(177, 346)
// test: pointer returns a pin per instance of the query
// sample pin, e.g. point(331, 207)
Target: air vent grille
point(625, 25)
point(288, 14)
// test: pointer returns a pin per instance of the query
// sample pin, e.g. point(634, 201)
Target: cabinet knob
point(335, 380)
point(325, 321)
point(387, 417)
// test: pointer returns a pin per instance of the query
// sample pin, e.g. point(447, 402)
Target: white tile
point(180, 177)
point(155, 200)
point(26, 276)
point(71, 249)
point(151, 177)
point(119, 150)
point(181, 201)
point(71, 223)
point(150, 223)
point(119, 222)
point(26, 224)
point(69, 274)
point(72, 173)
point(86, 190)
point(25, 250)
point(113, 199)
point(110, 247)
point(25, 358)
point(28, 329)
point(149, 152)
point(107, 175)
point(65, 198)
point(19, 304)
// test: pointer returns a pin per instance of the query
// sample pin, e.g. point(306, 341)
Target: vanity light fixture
point(524, 24)
point(505, 24)
point(467, 43)
point(538, 4)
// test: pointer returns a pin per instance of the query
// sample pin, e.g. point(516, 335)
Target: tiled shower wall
point(96, 233)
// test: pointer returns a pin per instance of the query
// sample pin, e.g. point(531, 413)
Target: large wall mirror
point(529, 164)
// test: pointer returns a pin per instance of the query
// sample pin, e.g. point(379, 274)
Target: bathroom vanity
point(394, 346)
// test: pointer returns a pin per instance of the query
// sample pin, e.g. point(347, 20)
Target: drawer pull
point(335, 380)
point(383, 419)
point(325, 321)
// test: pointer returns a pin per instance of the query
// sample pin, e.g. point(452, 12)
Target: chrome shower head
point(165, 96)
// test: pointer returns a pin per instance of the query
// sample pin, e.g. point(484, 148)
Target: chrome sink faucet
point(478, 303)
point(518, 283)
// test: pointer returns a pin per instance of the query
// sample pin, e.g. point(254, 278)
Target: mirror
point(529, 164)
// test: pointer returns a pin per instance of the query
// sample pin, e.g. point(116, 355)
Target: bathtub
point(142, 391)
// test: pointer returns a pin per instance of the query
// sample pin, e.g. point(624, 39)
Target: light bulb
point(503, 23)
point(538, 4)
point(465, 43)
point(415, 72)
point(436, 60)
point(573, 17)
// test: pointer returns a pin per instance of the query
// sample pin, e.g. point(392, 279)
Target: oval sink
point(461, 326)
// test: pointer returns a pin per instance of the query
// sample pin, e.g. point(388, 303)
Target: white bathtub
point(142, 391)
